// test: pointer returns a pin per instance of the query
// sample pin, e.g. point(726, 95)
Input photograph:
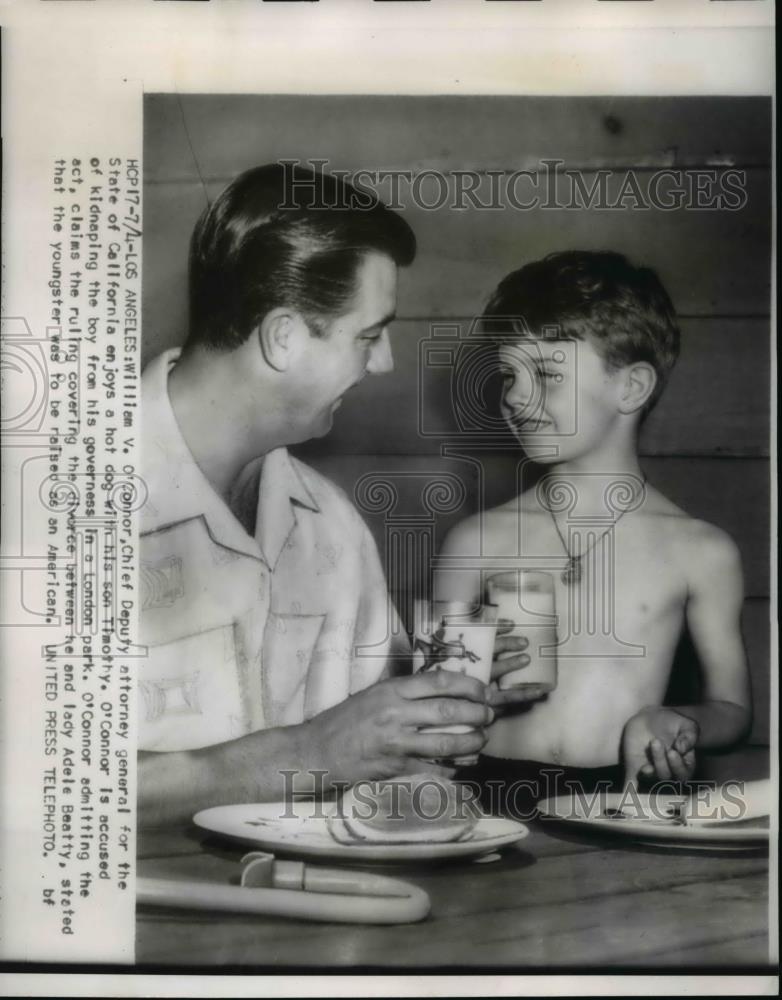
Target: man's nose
point(381, 358)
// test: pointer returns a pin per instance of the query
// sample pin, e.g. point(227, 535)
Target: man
point(265, 611)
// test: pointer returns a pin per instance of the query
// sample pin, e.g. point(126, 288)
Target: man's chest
point(190, 584)
point(189, 581)
point(230, 640)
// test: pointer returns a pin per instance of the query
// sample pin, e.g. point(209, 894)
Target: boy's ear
point(280, 335)
point(638, 385)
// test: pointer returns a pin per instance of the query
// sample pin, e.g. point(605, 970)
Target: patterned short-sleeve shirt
point(245, 632)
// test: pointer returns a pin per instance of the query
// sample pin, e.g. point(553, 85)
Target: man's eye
point(549, 376)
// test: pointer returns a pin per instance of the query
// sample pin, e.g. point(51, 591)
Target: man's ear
point(279, 337)
point(638, 384)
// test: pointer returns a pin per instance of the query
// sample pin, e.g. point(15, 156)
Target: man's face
point(557, 396)
point(354, 345)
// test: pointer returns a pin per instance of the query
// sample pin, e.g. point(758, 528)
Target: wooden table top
point(552, 902)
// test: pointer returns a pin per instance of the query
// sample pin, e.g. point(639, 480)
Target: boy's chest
point(615, 590)
point(608, 616)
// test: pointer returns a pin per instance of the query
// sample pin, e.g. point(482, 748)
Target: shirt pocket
point(190, 692)
point(289, 645)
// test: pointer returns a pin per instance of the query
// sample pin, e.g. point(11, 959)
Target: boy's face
point(558, 397)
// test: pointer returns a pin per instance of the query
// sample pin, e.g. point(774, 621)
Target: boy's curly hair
point(623, 310)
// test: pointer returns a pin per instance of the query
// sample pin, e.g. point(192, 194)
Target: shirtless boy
point(586, 342)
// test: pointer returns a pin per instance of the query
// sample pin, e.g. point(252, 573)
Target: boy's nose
point(521, 394)
point(381, 357)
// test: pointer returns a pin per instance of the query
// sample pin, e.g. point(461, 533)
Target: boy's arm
point(661, 740)
point(714, 619)
point(458, 578)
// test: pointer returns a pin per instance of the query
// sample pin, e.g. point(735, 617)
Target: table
point(551, 902)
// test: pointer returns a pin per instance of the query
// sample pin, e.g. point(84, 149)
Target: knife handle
point(329, 907)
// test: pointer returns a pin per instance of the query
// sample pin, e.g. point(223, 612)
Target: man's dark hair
point(623, 310)
point(284, 235)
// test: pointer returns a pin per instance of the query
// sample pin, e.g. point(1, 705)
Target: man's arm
point(661, 741)
point(373, 734)
point(173, 786)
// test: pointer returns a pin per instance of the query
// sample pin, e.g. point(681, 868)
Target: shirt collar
point(179, 491)
point(271, 487)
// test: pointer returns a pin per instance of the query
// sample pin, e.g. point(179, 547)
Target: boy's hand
point(509, 655)
point(659, 743)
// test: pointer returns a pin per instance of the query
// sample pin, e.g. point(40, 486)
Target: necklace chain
point(572, 573)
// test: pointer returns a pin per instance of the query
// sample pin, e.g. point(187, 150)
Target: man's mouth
point(338, 402)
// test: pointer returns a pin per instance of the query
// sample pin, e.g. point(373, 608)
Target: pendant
point(572, 574)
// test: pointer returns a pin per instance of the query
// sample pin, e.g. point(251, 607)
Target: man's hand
point(376, 732)
point(509, 655)
point(659, 743)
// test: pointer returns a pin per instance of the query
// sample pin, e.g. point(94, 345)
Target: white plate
point(649, 824)
point(300, 829)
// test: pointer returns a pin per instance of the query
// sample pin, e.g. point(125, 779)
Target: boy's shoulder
point(703, 552)
point(693, 533)
point(491, 531)
point(473, 535)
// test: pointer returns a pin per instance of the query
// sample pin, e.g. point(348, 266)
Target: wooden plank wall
point(706, 445)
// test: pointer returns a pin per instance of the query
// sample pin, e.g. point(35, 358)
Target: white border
point(63, 57)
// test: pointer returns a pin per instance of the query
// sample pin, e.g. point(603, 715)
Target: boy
point(586, 342)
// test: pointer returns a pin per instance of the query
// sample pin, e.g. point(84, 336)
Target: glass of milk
point(454, 635)
point(526, 597)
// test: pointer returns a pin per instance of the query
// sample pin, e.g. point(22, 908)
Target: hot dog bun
point(414, 809)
